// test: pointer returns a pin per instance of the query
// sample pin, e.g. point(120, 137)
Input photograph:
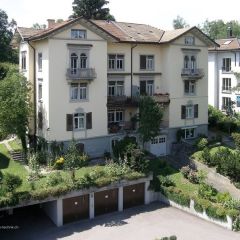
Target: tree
point(6, 33)
point(15, 107)
point(150, 116)
point(179, 22)
point(91, 9)
point(218, 29)
point(39, 26)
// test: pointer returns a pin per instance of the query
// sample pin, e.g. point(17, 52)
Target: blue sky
point(153, 12)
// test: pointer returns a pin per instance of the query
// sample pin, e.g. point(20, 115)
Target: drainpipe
point(132, 47)
point(34, 96)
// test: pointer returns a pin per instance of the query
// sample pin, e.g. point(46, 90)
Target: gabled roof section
point(131, 32)
point(227, 44)
point(172, 35)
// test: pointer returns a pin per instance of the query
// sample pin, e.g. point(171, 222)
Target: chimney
point(51, 23)
point(229, 32)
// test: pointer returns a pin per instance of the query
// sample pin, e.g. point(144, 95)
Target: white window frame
point(80, 119)
point(116, 62)
point(189, 111)
point(117, 116)
point(116, 89)
point(191, 87)
point(23, 60)
point(150, 87)
point(40, 62)
point(227, 65)
point(78, 91)
point(78, 33)
point(226, 84)
point(187, 133)
point(189, 40)
point(40, 92)
point(149, 62)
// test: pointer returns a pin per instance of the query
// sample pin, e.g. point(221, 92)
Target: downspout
point(132, 47)
point(34, 95)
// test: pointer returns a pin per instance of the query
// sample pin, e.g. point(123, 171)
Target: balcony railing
point(127, 101)
point(122, 101)
point(121, 127)
point(195, 73)
point(81, 74)
point(226, 69)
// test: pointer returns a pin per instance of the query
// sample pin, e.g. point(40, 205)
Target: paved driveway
point(142, 223)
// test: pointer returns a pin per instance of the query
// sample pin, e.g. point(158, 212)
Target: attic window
point(227, 42)
point(129, 26)
point(151, 31)
point(78, 33)
point(189, 40)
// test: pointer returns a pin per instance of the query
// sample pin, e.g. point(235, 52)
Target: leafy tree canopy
point(150, 116)
point(39, 26)
point(15, 106)
point(7, 54)
point(179, 22)
point(91, 9)
point(217, 29)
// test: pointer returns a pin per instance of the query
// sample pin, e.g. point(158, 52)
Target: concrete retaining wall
point(157, 196)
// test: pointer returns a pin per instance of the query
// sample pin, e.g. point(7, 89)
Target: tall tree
point(150, 117)
point(15, 108)
point(7, 54)
point(91, 9)
point(218, 29)
point(179, 22)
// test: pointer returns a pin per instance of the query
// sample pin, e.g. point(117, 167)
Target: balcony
point(81, 74)
point(122, 101)
point(121, 127)
point(195, 73)
point(226, 89)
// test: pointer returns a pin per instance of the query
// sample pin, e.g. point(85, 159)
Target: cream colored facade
point(166, 76)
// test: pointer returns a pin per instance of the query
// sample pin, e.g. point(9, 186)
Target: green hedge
point(217, 212)
point(177, 196)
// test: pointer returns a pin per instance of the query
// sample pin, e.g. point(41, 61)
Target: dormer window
point(189, 40)
point(78, 33)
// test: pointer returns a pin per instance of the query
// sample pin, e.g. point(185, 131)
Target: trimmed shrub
point(216, 212)
point(11, 182)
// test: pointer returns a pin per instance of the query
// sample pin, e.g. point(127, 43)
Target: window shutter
point(183, 114)
point(89, 120)
point(196, 111)
point(69, 122)
point(142, 87)
point(142, 62)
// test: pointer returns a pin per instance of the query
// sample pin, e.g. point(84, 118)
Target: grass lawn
point(175, 175)
point(15, 144)
point(198, 155)
point(10, 166)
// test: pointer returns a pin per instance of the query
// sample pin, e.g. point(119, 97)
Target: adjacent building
point(224, 66)
point(88, 75)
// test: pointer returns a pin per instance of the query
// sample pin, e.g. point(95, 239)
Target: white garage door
point(158, 146)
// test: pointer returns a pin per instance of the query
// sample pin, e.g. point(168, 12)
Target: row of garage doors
point(77, 208)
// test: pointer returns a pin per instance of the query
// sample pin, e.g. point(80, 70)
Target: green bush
point(216, 212)
point(185, 171)
point(206, 191)
point(177, 196)
point(165, 181)
point(206, 156)
point(54, 179)
point(236, 138)
point(201, 143)
point(198, 206)
point(236, 224)
point(11, 182)
point(223, 197)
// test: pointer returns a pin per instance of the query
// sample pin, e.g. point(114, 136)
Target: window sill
point(79, 130)
point(190, 94)
point(79, 100)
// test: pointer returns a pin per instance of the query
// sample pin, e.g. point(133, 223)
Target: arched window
point(193, 62)
point(83, 60)
point(74, 59)
point(186, 62)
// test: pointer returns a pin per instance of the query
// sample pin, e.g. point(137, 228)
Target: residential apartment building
point(88, 76)
point(223, 64)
